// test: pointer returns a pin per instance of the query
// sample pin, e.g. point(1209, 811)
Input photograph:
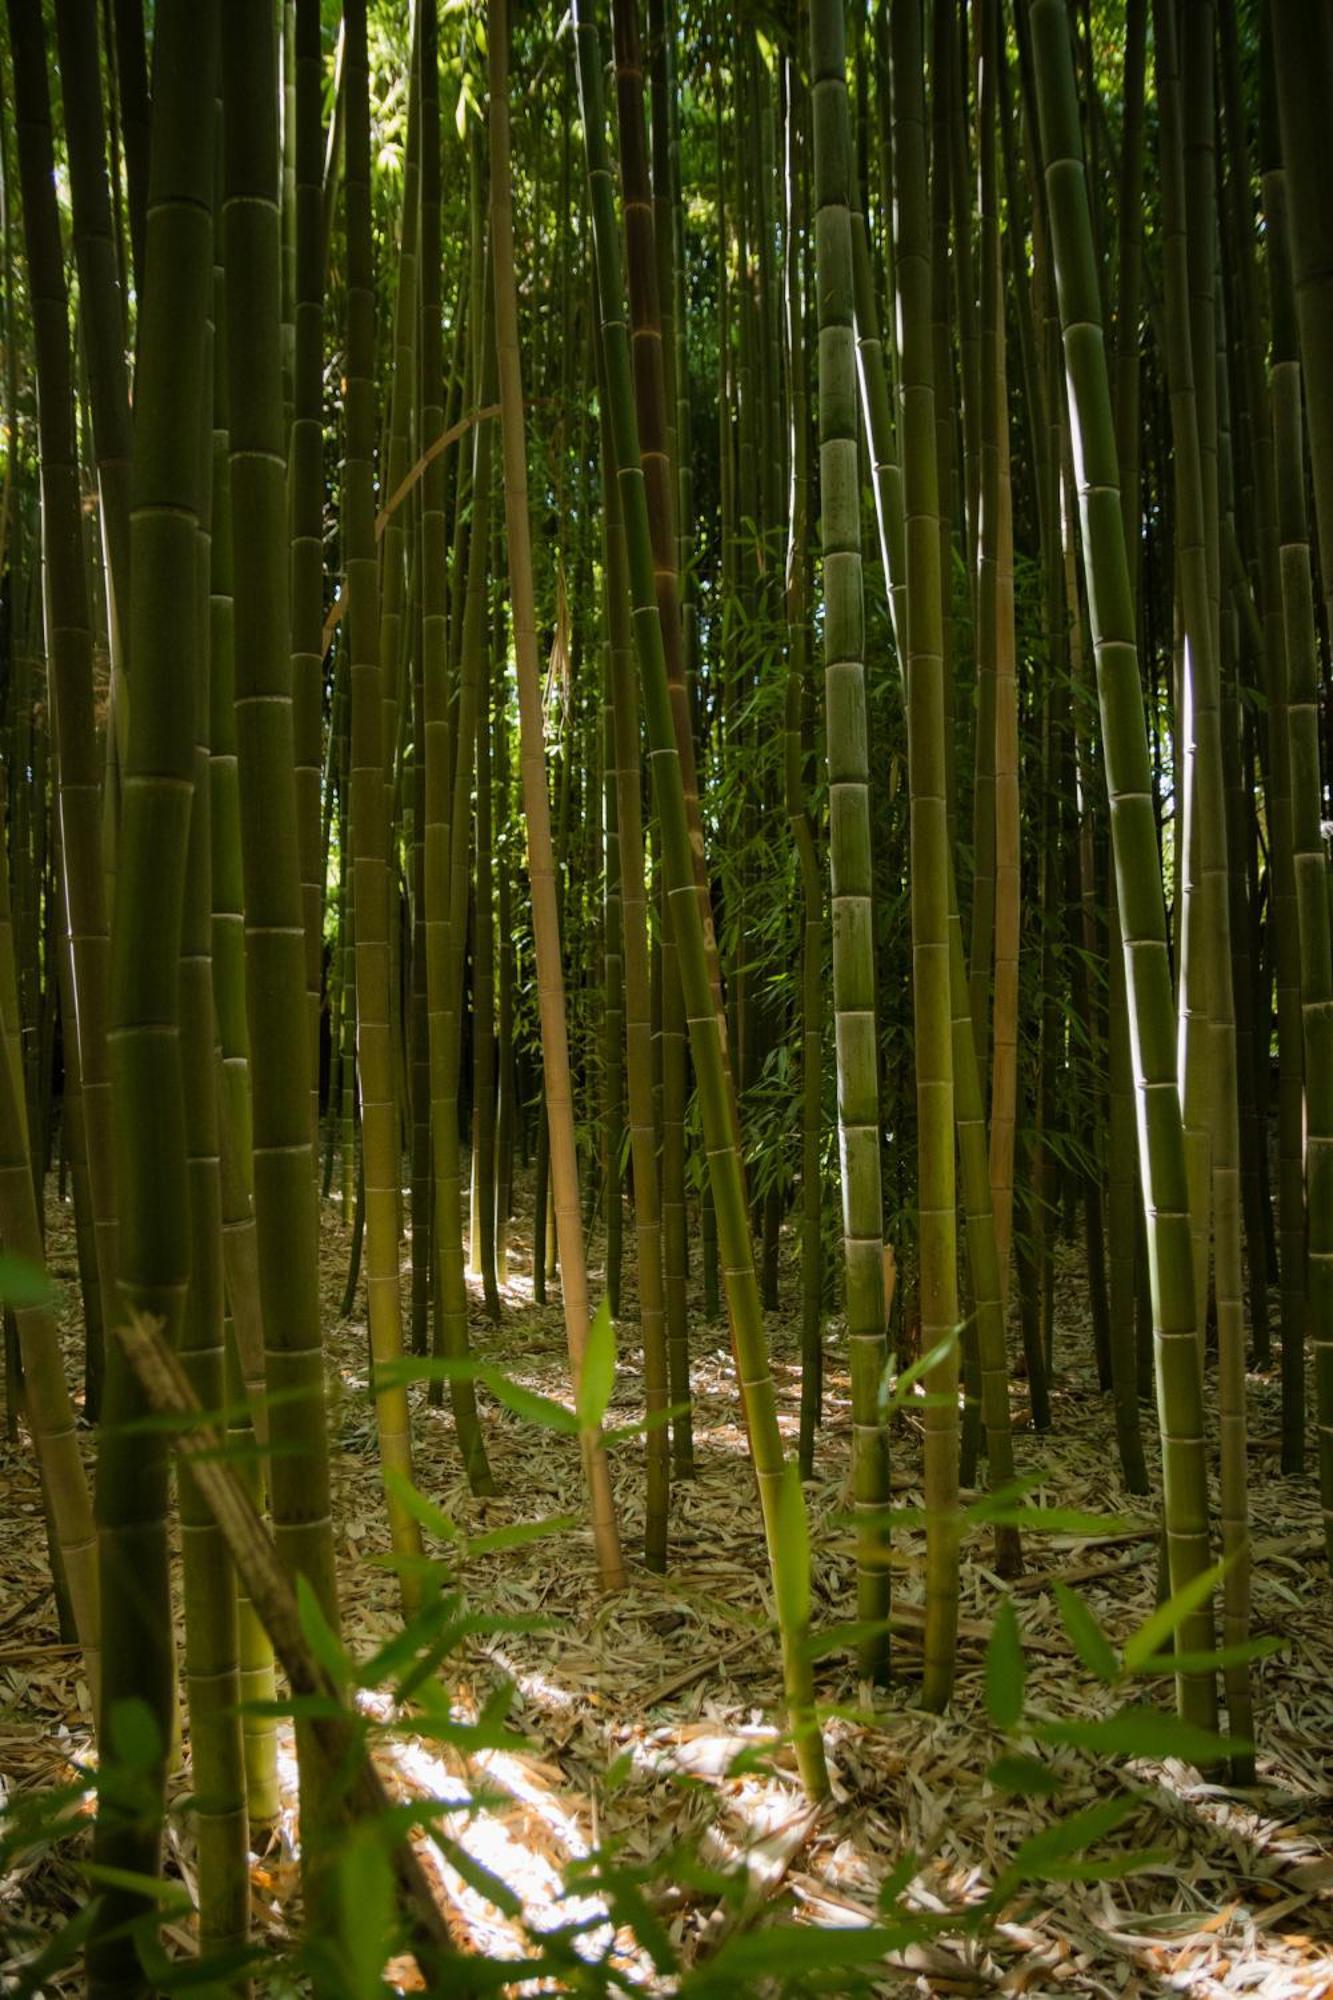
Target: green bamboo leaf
point(1023, 1774)
point(597, 1377)
point(24, 1284)
point(1214, 1662)
point(1113, 1868)
point(788, 1951)
point(899, 1878)
point(1005, 1672)
point(1068, 1837)
point(296, 1708)
point(400, 1488)
point(169, 1896)
point(365, 1906)
point(1141, 1732)
point(319, 1635)
point(1168, 1617)
point(1086, 1635)
point(901, 1392)
point(477, 1876)
point(529, 1404)
point(518, 1535)
point(842, 1638)
point(655, 1420)
point(1051, 1520)
point(136, 1740)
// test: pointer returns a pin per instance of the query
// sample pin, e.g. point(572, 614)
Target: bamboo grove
point(670, 655)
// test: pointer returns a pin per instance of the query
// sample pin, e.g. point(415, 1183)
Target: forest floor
point(636, 1705)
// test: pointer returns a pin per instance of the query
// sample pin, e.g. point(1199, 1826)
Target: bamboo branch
point(164, 1384)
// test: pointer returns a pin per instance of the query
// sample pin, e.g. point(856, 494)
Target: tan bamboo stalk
point(556, 1084)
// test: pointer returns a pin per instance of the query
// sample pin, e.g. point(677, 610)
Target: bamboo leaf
point(422, 1509)
point(1005, 1672)
point(597, 1376)
point(518, 1535)
point(1088, 1639)
point(533, 1407)
point(1214, 1662)
point(24, 1284)
point(319, 1635)
point(1141, 1732)
point(1040, 1851)
point(1023, 1774)
point(1168, 1617)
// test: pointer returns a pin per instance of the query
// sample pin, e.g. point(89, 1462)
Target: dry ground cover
point(636, 1706)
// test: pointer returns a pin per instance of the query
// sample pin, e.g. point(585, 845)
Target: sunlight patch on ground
point(525, 1839)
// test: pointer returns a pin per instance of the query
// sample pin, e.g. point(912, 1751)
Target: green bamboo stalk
point(441, 980)
point(1186, 98)
point(282, 1151)
point(1310, 869)
point(612, 1043)
point(172, 397)
point(483, 1005)
point(1303, 67)
point(102, 318)
point(69, 649)
point(303, 285)
point(212, 1634)
point(131, 67)
point(1133, 836)
point(799, 814)
point(627, 776)
point(716, 1104)
point(1278, 800)
point(850, 862)
point(369, 806)
point(47, 1404)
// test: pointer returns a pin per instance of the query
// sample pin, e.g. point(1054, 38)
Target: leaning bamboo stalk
point(556, 1084)
point(347, 1774)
